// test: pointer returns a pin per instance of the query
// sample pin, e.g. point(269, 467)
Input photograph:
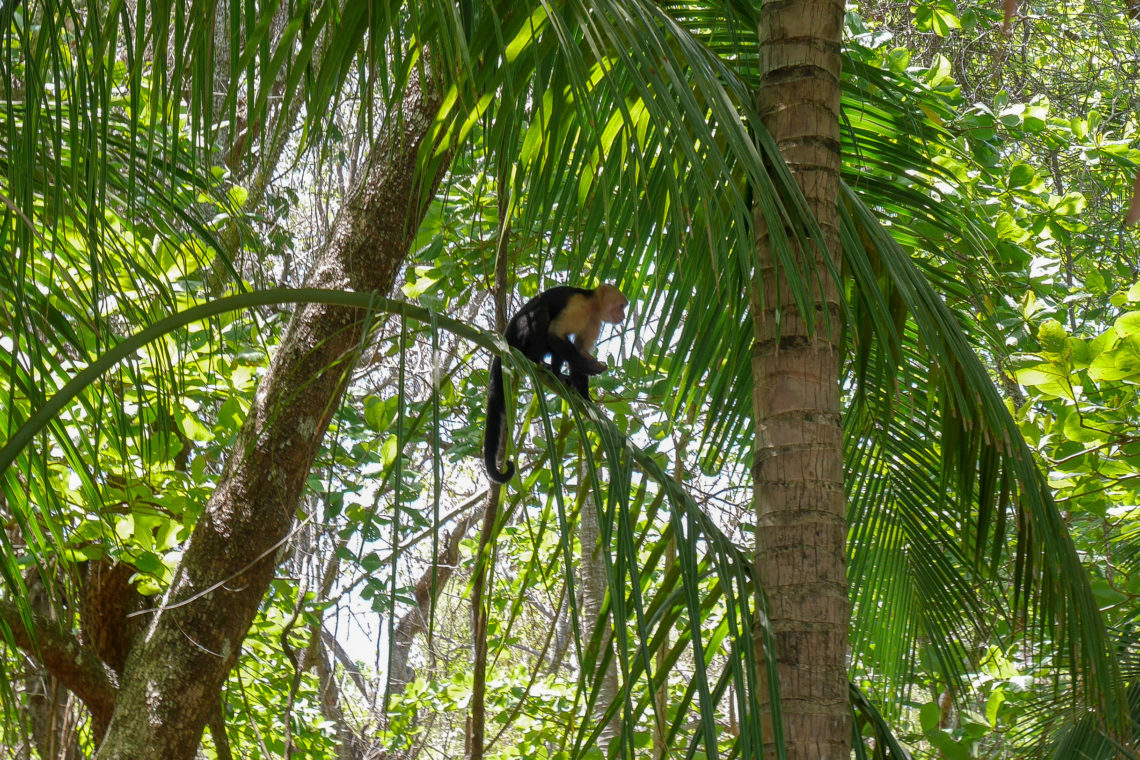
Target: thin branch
point(218, 732)
point(427, 589)
point(298, 669)
point(345, 661)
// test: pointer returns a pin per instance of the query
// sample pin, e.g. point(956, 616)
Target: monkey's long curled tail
point(496, 410)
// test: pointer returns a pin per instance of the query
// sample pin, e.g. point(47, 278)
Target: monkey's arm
point(564, 349)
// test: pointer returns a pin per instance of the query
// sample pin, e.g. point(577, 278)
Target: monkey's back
point(527, 330)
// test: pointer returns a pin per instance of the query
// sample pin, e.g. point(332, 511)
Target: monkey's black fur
point(529, 332)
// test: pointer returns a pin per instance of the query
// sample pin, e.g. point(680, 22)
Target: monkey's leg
point(580, 383)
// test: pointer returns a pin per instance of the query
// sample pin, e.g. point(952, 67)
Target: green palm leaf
point(628, 128)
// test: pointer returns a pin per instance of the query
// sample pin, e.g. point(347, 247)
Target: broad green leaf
point(1068, 204)
point(191, 427)
point(1008, 229)
point(389, 450)
point(929, 716)
point(1119, 363)
point(1127, 324)
point(1048, 377)
point(1077, 430)
point(1021, 175)
point(939, 71)
point(1052, 336)
point(945, 20)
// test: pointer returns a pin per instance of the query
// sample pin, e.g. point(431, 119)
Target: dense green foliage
point(993, 301)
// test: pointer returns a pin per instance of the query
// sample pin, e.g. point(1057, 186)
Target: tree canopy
point(255, 256)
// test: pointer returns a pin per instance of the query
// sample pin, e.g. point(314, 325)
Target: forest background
point(862, 475)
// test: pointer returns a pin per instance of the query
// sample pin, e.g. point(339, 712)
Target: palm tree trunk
point(173, 675)
point(595, 585)
point(798, 464)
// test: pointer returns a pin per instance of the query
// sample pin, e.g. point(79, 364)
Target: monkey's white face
point(613, 305)
point(616, 313)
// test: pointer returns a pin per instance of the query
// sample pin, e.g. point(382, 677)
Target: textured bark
point(218, 733)
point(47, 702)
point(595, 585)
point(349, 744)
point(106, 603)
point(427, 589)
point(798, 465)
point(76, 667)
point(173, 675)
point(563, 630)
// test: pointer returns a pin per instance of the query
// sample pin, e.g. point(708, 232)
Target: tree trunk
point(173, 675)
point(427, 590)
point(798, 464)
point(595, 584)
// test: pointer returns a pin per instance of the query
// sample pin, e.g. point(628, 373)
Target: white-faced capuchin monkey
point(544, 326)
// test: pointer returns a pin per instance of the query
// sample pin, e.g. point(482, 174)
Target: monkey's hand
point(595, 367)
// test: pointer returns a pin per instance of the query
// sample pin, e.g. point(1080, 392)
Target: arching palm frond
point(172, 104)
point(983, 491)
point(628, 129)
point(928, 433)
